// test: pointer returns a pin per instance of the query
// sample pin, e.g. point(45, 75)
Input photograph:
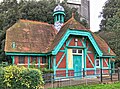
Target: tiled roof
point(29, 36)
point(72, 24)
point(39, 37)
point(103, 46)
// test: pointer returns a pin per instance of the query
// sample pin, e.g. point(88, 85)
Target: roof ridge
point(67, 21)
point(33, 21)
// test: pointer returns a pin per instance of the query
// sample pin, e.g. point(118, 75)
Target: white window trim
point(79, 54)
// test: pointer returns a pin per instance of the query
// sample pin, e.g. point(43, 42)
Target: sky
point(95, 9)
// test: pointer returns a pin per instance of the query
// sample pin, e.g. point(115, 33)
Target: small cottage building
point(70, 48)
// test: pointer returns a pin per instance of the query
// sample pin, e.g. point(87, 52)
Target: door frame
point(81, 54)
point(79, 70)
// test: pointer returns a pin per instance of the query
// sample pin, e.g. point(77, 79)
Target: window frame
point(77, 53)
point(96, 63)
point(44, 59)
point(19, 60)
point(32, 59)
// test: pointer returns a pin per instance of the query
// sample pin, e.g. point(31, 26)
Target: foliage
point(14, 77)
point(109, 10)
point(45, 70)
point(97, 86)
point(110, 26)
point(42, 10)
point(4, 64)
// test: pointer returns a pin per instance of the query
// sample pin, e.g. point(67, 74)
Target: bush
point(13, 77)
point(45, 70)
point(1, 78)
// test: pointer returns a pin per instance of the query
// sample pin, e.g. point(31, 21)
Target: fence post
point(111, 74)
point(118, 74)
point(101, 80)
point(52, 80)
point(83, 72)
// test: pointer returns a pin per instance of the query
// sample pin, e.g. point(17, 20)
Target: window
point(21, 59)
point(33, 60)
point(43, 60)
point(13, 45)
point(97, 63)
point(74, 51)
point(77, 51)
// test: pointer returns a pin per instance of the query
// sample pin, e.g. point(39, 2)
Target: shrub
point(45, 70)
point(21, 78)
point(1, 78)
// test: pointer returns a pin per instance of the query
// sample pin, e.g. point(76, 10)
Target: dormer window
point(13, 45)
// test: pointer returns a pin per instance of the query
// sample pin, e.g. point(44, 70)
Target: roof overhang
point(24, 54)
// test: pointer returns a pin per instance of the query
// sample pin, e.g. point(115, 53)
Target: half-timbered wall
point(64, 58)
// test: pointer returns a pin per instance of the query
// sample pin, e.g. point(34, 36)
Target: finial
point(73, 14)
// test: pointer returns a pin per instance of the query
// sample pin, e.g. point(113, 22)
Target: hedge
point(13, 77)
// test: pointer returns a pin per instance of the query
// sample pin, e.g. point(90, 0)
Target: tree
point(110, 24)
point(109, 10)
point(42, 10)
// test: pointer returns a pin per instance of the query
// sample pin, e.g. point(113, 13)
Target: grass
point(97, 86)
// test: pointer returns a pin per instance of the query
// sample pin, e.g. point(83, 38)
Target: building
point(83, 8)
point(72, 49)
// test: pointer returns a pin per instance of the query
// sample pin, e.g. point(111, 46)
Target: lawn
point(97, 86)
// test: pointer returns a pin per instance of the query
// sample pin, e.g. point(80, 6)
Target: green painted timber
point(49, 62)
point(109, 63)
point(38, 62)
point(75, 47)
point(108, 50)
point(76, 32)
point(83, 43)
point(59, 12)
point(59, 18)
point(62, 18)
point(13, 45)
point(113, 67)
point(62, 51)
point(101, 63)
point(60, 60)
point(61, 69)
point(68, 42)
point(54, 65)
point(88, 46)
point(106, 56)
point(28, 54)
point(85, 54)
point(13, 60)
point(66, 52)
point(95, 56)
point(28, 61)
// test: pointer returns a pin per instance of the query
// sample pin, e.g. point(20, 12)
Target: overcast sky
point(95, 9)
